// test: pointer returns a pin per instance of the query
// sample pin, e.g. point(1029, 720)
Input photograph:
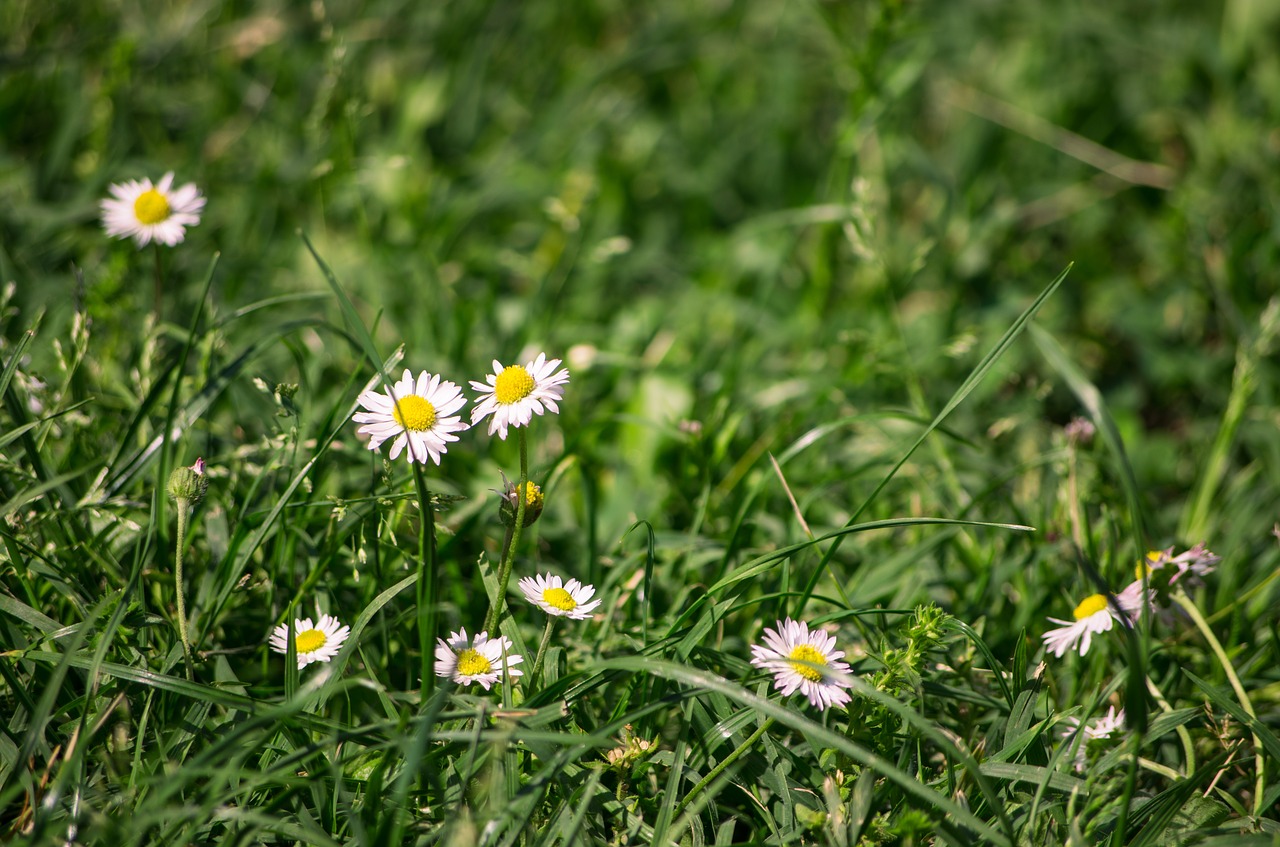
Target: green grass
point(805, 263)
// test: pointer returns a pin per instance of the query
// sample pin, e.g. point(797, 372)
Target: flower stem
point(513, 534)
point(1188, 748)
point(542, 651)
point(159, 298)
point(184, 508)
point(428, 576)
point(1180, 597)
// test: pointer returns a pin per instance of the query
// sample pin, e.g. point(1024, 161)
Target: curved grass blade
point(965, 389)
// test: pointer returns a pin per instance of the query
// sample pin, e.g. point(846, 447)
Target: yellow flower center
point(472, 663)
point(151, 207)
point(415, 413)
point(310, 641)
point(1090, 605)
point(513, 385)
point(533, 494)
point(807, 653)
point(559, 598)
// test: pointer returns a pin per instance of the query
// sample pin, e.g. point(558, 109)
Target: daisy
point(571, 599)
point(1197, 562)
point(416, 414)
point(1163, 570)
point(151, 212)
point(534, 502)
point(317, 642)
point(514, 393)
point(806, 660)
point(1094, 730)
point(467, 660)
point(1093, 615)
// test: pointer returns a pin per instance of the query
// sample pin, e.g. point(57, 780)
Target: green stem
point(1188, 748)
point(184, 508)
point(542, 651)
point(728, 760)
point(1180, 597)
point(509, 554)
point(159, 298)
point(428, 576)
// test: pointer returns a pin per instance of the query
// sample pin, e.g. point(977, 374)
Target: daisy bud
point(188, 484)
point(534, 501)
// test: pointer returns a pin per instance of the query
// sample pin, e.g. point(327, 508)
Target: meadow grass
point(919, 323)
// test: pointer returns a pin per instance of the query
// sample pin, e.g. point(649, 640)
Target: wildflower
point(151, 212)
point(806, 660)
point(480, 659)
point(1162, 571)
point(533, 503)
point(1094, 730)
point(571, 599)
point(630, 750)
point(416, 414)
point(1079, 430)
point(313, 643)
point(188, 484)
point(1194, 564)
point(1093, 615)
point(514, 394)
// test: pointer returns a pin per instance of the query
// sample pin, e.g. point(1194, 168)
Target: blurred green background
point(750, 217)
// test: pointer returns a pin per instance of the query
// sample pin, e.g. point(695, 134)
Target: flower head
point(480, 659)
point(414, 413)
point(1094, 730)
point(188, 484)
point(1079, 430)
point(313, 643)
point(149, 212)
point(1162, 570)
point(1092, 615)
point(571, 599)
point(534, 501)
point(1193, 565)
point(515, 393)
point(806, 660)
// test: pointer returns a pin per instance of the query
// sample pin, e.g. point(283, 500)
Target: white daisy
point(317, 642)
point(416, 414)
point(149, 212)
point(1093, 615)
point(1194, 564)
point(514, 394)
point(1094, 730)
point(571, 599)
point(806, 660)
point(467, 660)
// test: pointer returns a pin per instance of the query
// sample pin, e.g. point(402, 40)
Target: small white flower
point(149, 212)
point(806, 660)
point(1094, 730)
point(514, 394)
point(1093, 615)
point(1197, 562)
point(313, 643)
point(571, 599)
point(467, 660)
point(416, 414)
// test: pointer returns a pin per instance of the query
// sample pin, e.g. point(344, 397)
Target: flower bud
point(534, 502)
point(188, 484)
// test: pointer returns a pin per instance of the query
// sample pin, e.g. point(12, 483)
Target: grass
point(831, 280)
